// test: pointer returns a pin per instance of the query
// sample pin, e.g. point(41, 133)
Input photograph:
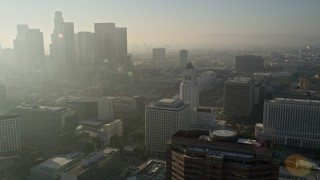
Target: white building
point(291, 122)
point(109, 130)
point(163, 119)
point(189, 92)
point(238, 97)
point(10, 142)
point(206, 117)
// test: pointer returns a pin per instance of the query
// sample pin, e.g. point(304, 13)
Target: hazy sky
point(166, 22)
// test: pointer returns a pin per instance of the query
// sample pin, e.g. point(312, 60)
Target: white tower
point(189, 92)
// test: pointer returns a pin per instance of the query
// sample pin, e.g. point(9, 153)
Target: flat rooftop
point(168, 103)
point(152, 169)
point(42, 107)
point(241, 80)
point(294, 101)
point(58, 162)
point(7, 115)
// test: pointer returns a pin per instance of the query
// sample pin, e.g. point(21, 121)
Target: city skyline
point(189, 24)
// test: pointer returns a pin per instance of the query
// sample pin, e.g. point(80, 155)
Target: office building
point(43, 125)
point(114, 128)
point(85, 47)
point(62, 48)
point(310, 83)
point(291, 122)
point(121, 44)
point(206, 117)
point(163, 119)
point(35, 48)
point(249, 64)
point(105, 42)
point(159, 57)
point(238, 97)
point(189, 92)
point(10, 142)
point(218, 154)
point(52, 168)
point(153, 169)
point(29, 48)
point(98, 165)
point(124, 104)
point(183, 58)
point(3, 96)
point(95, 108)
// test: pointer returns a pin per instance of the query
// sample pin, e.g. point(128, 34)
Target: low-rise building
point(52, 168)
point(114, 128)
point(97, 165)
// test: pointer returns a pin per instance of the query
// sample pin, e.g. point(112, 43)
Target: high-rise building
point(189, 87)
point(10, 142)
point(183, 58)
point(105, 42)
point(238, 97)
point(3, 96)
point(163, 119)
point(29, 47)
point(121, 44)
point(62, 48)
point(219, 154)
point(35, 48)
point(291, 122)
point(85, 47)
point(249, 63)
point(159, 57)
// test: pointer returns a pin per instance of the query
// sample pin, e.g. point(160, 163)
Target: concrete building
point(85, 42)
point(43, 125)
point(238, 97)
point(249, 64)
point(105, 42)
point(124, 104)
point(159, 57)
point(153, 169)
point(189, 90)
point(183, 58)
point(52, 168)
point(3, 96)
point(310, 83)
point(218, 154)
point(98, 165)
point(98, 108)
point(121, 44)
point(291, 122)
point(29, 48)
point(206, 117)
point(114, 128)
point(163, 119)
point(10, 142)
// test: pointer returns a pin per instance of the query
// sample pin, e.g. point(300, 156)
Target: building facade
point(114, 128)
point(10, 142)
point(98, 165)
point(159, 57)
point(238, 97)
point(189, 92)
point(163, 119)
point(183, 58)
point(291, 122)
point(202, 155)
